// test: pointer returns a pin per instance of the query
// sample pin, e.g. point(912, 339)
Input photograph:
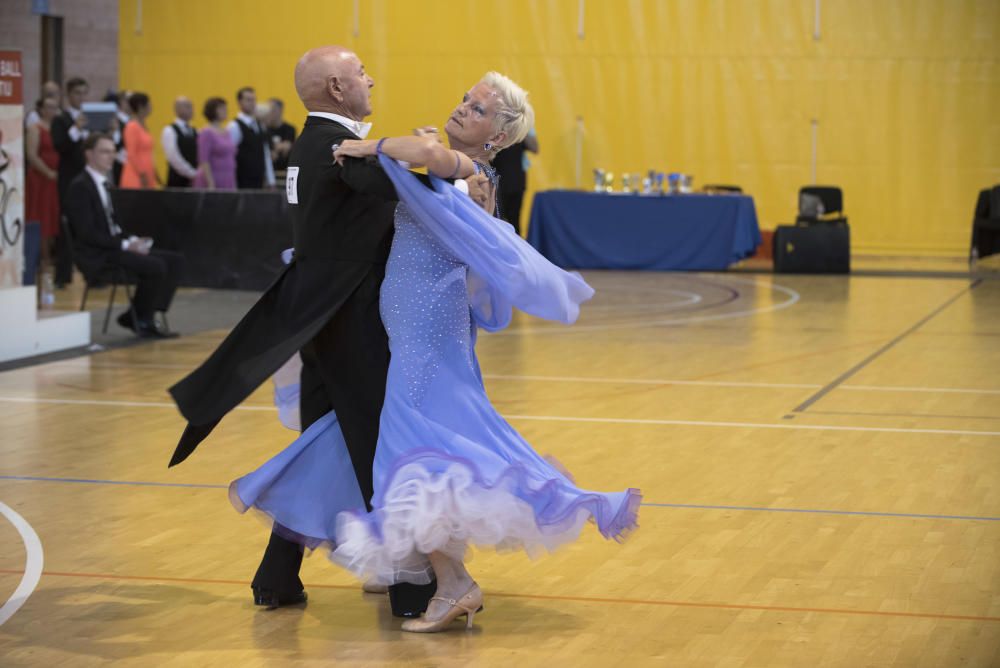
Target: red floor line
point(545, 597)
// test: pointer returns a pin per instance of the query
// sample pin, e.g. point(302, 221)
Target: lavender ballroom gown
point(449, 471)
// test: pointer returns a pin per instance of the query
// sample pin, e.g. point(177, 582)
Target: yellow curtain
point(905, 94)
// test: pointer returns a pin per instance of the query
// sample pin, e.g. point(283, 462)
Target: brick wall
point(90, 42)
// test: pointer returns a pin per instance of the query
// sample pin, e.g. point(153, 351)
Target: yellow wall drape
point(905, 93)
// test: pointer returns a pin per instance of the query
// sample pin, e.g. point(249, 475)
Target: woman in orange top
point(139, 171)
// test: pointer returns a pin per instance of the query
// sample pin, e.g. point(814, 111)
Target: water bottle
point(48, 290)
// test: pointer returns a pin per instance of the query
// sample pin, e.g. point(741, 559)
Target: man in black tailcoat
point(325, 304)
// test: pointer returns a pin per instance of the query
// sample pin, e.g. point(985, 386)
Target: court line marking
point(832, 385)
point(793, 298)
point(866, 513)
point(34, 561)
point(611, 380)
point(574, 599)
point(558, 418)
point(751, 425)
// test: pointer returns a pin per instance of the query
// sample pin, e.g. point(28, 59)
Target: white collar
point(99, 179)
point(74, 112)
point(360, 128)
point(181, 123)
point(248, 119)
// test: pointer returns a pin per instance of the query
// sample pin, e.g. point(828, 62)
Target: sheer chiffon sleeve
point(505, 272)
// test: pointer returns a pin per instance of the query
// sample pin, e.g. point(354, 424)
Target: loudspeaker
point(816, 249)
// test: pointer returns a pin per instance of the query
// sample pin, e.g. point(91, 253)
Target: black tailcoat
point(325, 303)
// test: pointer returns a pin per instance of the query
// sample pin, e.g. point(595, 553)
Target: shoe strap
point(452, 602)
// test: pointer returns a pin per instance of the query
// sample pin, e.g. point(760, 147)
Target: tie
point(109, 211)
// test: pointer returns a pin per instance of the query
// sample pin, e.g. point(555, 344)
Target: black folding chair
point(114, 276)
point(821, 204)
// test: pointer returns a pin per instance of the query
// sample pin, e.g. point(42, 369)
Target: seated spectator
point(281, 135)
point(216, 150)
point(42, 202)
point(100, 247)
point(139, 171)
point(180, 144)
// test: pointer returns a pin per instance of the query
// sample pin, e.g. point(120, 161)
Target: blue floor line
point(819, 511)
point(867, 513)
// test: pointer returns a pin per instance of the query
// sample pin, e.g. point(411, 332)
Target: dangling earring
point(488, 146)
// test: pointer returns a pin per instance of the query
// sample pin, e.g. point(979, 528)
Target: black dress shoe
point(125, 320)
point(150, 330)
point(272, 599)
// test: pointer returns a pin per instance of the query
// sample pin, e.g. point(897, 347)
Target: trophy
point(636, 183)
point(647, 185)
point(659, 183)
point(626, 182)
point(609, 182)
point(598, 180)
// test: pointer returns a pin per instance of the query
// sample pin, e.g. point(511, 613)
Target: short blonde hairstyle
point(515, 115)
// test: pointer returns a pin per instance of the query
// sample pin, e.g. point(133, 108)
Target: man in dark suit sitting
point(100, 247)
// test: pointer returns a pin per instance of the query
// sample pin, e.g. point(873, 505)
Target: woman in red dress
point(42, 203)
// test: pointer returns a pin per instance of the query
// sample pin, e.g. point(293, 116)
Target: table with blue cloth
point(691, 232)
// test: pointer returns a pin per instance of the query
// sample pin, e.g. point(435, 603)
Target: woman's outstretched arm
point(422, 151)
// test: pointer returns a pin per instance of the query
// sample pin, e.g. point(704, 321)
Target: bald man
point(180, 144)
point(325, 305)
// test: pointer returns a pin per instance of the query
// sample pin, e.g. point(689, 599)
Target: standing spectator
point(512, 166)
point(281, 135)
point(117, 129)
point(42, 203)
point(49, 89)
point(139, 171)
point(180, 144)
point(69, 129)
point(253, 156)
point(216, 151)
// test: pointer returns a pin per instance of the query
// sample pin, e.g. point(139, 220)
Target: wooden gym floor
point(820, 459)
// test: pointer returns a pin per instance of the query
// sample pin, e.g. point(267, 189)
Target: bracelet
point(378, 146)
point(458, 165)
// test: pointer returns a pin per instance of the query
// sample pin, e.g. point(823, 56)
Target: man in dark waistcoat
point(253, 152)
point(69, 129)
point(325, 304)
point(180, 144)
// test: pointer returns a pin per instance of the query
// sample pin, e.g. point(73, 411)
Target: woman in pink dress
point(216, 150)
point(42, 202)
point(139, 171)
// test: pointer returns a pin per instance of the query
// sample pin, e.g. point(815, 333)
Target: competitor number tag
point(292, 185)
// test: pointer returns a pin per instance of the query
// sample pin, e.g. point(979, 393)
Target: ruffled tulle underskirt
point(434, 502)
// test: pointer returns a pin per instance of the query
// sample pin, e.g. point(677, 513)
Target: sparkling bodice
point(424, 305)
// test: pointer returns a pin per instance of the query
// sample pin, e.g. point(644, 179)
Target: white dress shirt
point(99, 181)
point(237, 136)
point(168, 140)
point(360, 128)
point(75, 133)
point(116, 136)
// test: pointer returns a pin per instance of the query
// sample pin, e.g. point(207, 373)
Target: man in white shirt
point(102, 251)
point(180, 144)
point(253, 154)
point(122, 116)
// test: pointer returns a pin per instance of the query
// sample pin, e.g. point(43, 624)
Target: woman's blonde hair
point(515, 115)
